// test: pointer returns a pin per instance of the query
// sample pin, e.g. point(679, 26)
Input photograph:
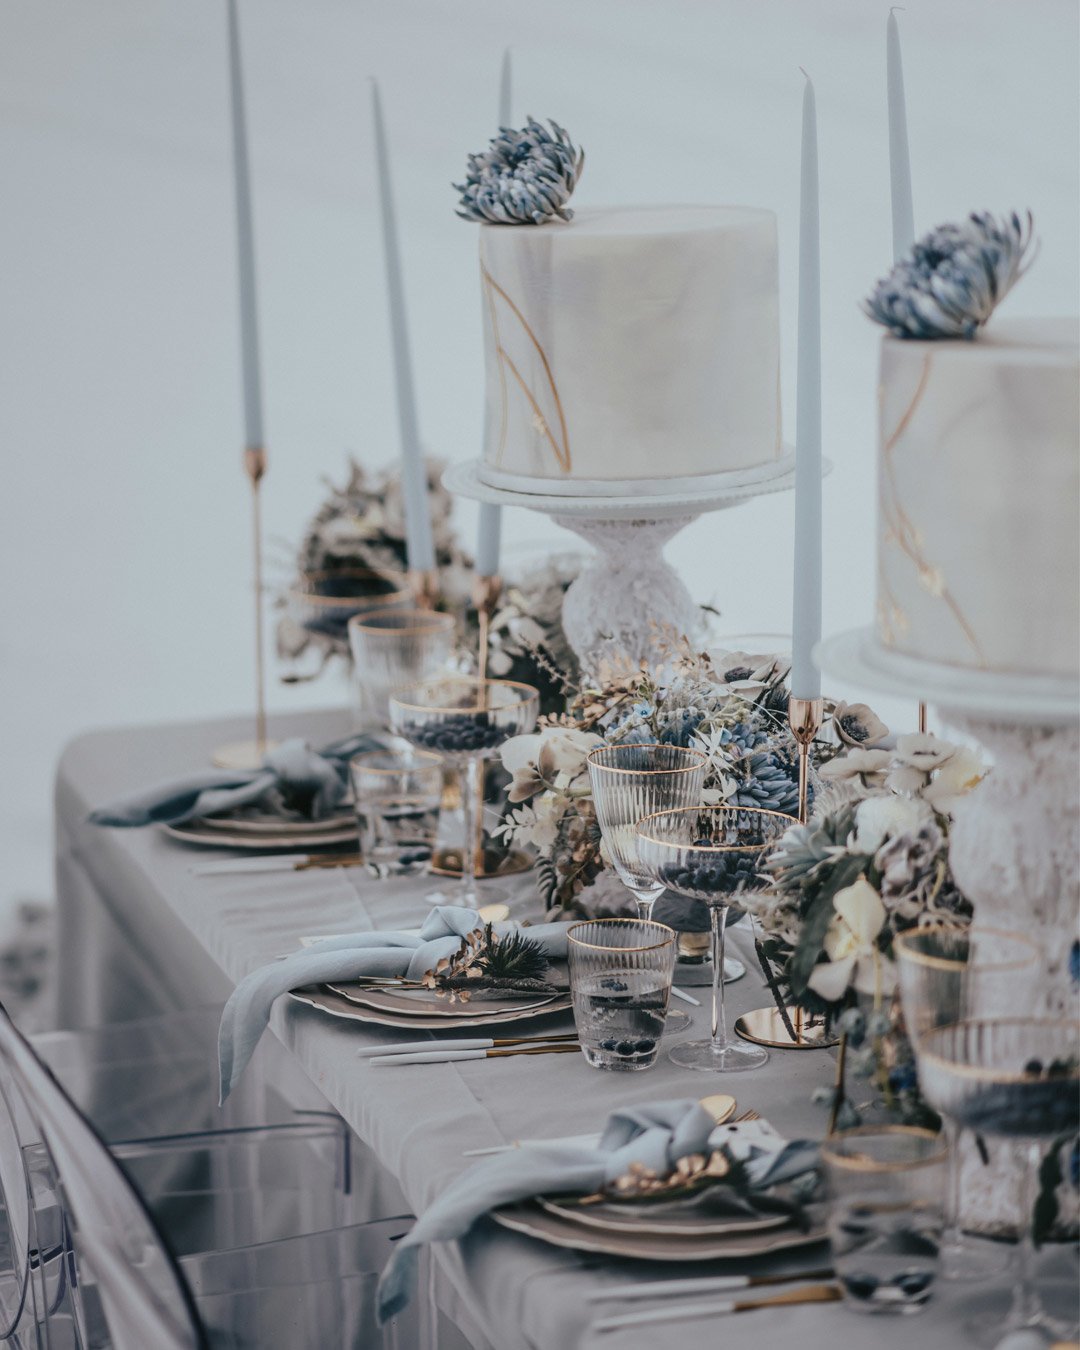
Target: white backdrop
point(125, 534)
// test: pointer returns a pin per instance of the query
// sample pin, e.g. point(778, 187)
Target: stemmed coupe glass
point(948, 972)
point(1016, 1079)
point(465, 720)
point(714, 854)
point(629, 782)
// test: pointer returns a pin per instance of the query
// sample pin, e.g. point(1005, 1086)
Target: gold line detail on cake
point(906, 535)
point(561, 452)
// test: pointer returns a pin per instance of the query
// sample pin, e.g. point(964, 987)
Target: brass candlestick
point(790, 1028)
point(243, 755)
point(425, 587)
point(922, 719)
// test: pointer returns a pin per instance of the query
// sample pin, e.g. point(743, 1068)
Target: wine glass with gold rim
point(714, 854)
point(465, 720)
point(947, 972)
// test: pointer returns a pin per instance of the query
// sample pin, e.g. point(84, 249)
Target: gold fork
point(747, 1115)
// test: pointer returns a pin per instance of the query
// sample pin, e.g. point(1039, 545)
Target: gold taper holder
point(922, 719)
point(805, 716)
point(244, 755)
point(424, 587)
point(791, 1028)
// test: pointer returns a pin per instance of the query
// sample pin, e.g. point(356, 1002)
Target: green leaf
point(817, 918)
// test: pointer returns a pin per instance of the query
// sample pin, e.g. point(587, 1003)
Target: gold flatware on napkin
point(814, 1293)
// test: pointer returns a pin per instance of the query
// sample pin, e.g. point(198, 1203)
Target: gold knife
point(679, 1312)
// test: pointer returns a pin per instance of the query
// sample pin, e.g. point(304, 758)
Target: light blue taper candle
point(903, 212)
point(489, 532)
point(806, 615)
point(245, 245)
point(419, 544)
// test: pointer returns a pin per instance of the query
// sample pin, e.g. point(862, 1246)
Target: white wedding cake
point(978, 494)
point(629, 346)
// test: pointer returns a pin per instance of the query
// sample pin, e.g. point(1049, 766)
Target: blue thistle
point(523, 178)
point(953, 278)
point(681, 727)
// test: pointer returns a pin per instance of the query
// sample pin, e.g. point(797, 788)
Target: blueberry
point(625, 1048)
point(1033, 1068)
point(610, 982)
point(860, 1285)
point(608, 1045)
point(644, 1047)
point(914, 1282)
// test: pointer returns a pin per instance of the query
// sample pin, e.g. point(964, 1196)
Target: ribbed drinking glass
point(620, 981)
point(946, 973)
point(396, 647)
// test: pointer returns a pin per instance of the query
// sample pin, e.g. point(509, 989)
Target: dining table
point(144, 931)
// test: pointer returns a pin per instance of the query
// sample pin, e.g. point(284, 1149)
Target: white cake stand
point(1015, 843)
point(629, 588)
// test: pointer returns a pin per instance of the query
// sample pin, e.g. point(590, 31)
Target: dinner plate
point(266, 823)
point(336, 1006)
point(196, 832)
point(639, 1245)
point(427, 1003)
point(640, 1218)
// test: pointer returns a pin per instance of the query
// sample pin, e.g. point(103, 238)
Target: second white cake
point(630, 345)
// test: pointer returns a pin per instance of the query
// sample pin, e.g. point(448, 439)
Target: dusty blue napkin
point(657, 1136)
point(314, 779)
point(247, 1012)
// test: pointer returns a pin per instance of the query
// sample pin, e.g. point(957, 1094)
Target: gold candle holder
point(791, 1028)
point(922, 719)
point(244, 755)
point(425, 587)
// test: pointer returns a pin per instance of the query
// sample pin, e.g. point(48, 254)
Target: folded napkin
point(311, 783)
point(657, 1136)
point(410, 955)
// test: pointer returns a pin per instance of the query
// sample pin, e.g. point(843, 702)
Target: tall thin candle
point(903, 213)
point(245, 244)
point(418, 537)
point(806, 617)
point(489, 530)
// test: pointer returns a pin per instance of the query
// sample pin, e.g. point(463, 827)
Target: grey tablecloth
point(140, 934)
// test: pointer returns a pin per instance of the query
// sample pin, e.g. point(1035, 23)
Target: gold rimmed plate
point(336, 1006)
point(560, 1231)
point(195, 832)
point(427, 1003)
point(267, 823)
point(685, 1219)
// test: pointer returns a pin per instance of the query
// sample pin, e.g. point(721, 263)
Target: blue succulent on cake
point(954, 277)
point(524, 177)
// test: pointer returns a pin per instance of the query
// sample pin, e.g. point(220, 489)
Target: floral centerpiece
point(872, 861)
point(730, 705)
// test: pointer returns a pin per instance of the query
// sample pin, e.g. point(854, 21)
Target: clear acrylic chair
point(254, 1257)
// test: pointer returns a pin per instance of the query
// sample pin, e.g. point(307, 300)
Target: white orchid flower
point(961, 772)
point(851, 945)
point(857, 724)
point(864, 764)
point(884, 817)
point(922, 751)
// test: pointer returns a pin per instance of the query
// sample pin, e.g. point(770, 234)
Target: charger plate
point(336, 1006)
point(639, 1245)
point(197, 833)
point(426, 1003)
point(640, 1218)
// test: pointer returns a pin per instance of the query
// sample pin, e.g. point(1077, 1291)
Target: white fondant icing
point(979, 487)
point(631, 342)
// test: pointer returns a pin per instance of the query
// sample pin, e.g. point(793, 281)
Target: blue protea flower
point(523, 178)
point(953, 278)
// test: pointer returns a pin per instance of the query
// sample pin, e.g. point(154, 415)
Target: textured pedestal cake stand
point(1015, 842)
point(628, 588)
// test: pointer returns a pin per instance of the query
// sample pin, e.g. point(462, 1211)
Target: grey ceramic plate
point(337, 1006)
point(677, 1220)
point(196, 832)
point(558, 1231)
point(426, 1003)
point(265, 822)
